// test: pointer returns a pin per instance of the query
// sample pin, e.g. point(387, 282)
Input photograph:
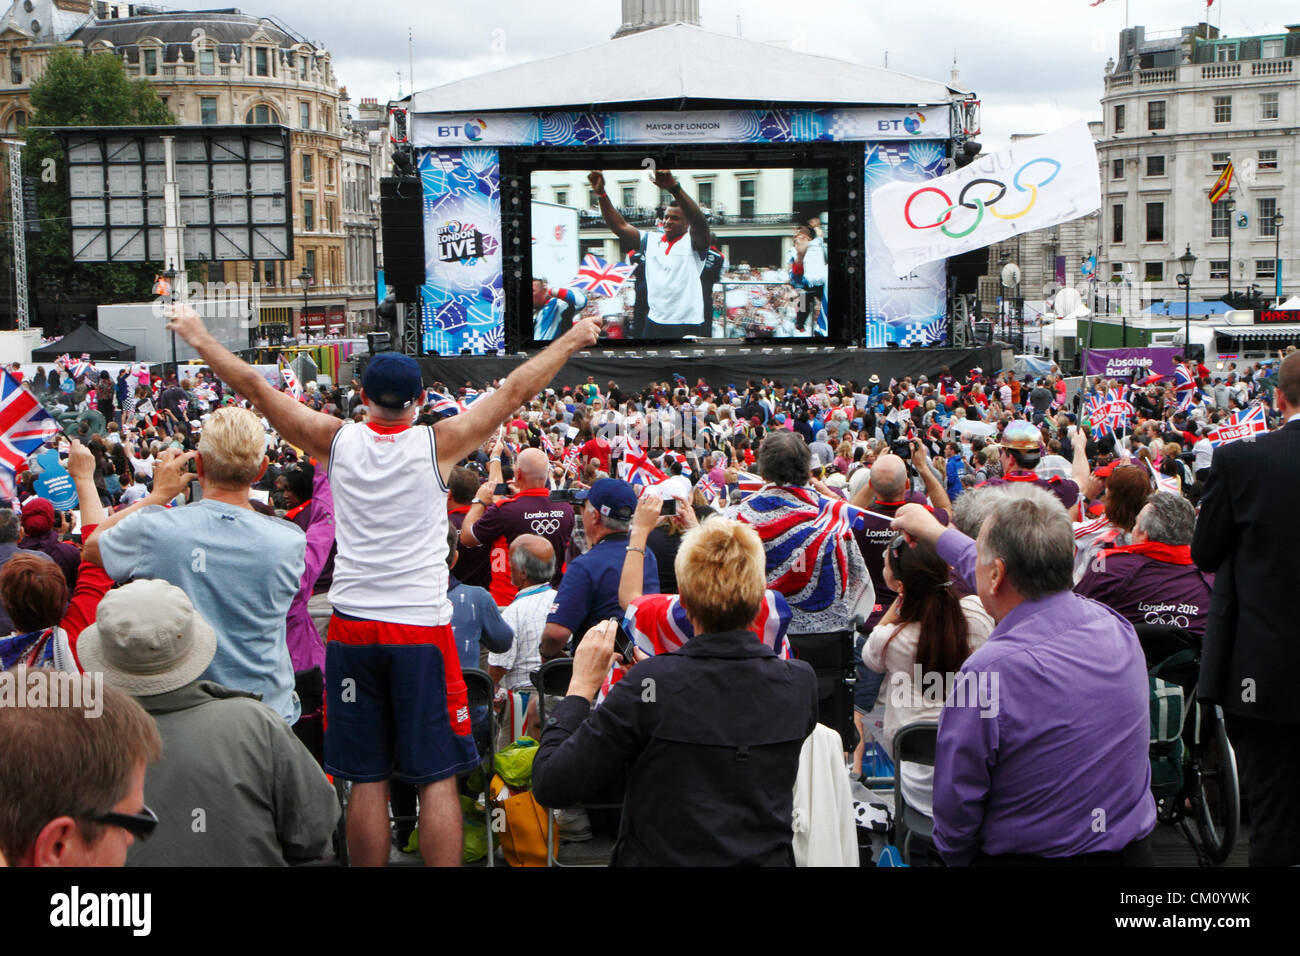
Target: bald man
point(532, 566)
point(527, 512)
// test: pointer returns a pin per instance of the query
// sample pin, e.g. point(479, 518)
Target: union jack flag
point(547, 445)
point(598, 277)
point(636, 468)
point(291, 382)
point(81, 366)
point(709, 488)
point(1168, 483)
point(24, 426)
point(1241, 425)
point(807, 560)
point(749, 483)
point(572, 456)
point(1184, 386)
point(658, 623)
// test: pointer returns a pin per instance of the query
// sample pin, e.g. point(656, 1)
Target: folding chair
point(553, 679)
point(914, 743)
point(481, 693)
point(831, 656)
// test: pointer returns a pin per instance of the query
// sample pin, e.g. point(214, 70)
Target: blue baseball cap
point(392, 380)
point(613, 498)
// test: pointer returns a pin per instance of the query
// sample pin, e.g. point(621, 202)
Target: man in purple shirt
point(1153, 580)
point(1042, 748)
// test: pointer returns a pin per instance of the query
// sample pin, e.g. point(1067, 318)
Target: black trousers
point(1137, 853)
point(1268, 758)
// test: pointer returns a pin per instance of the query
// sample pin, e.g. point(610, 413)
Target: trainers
point(574, 825)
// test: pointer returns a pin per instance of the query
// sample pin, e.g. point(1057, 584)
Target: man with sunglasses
point(73, 779)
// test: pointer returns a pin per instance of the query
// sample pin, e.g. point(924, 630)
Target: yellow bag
point(523, 839)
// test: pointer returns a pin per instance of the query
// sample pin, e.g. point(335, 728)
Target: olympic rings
point(545, 526)
point(907, 207)
point(980, 205)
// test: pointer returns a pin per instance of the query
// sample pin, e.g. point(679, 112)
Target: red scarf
point(1165, 553)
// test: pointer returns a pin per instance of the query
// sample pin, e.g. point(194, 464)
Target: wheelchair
point(1208, 793)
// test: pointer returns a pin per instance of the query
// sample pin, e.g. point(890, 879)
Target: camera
point(901, 447)
point(573, 496)
point(670, 507)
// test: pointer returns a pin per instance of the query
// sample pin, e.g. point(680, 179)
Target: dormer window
point(207, 62)
point(261, 62)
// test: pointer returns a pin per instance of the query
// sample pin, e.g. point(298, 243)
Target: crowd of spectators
point(247, 558)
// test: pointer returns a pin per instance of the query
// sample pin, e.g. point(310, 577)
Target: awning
point(1283, 329)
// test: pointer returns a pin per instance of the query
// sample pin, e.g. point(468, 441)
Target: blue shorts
point(395, 703)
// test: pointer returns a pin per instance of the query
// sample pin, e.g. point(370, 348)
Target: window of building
point(1220, 219)
point(268, 271)
point(1155, 222)
point(329, 171)
point(306, 168)
point(207, 62)
point(308, 215)
point(15, 68)
point(1155, 165)
point(261, 115)
point(1267, 160)
point(704, 194)
point(304, 114)
point(748, 197)
point(1225, 53)
point(1268, 106)
point(1218, 162)
point(329, 216)
point(150, 62)
point(1156, 114)
point(1155, 272)
point(1269, 49)
point(591, 198)
point(1119, 118)
point(628, 194)
point(208, 110)
point(261, 64)
point(1219, 268)
point(561, 197)
point(1117, 222)
point(1265, 268)
point(17, 122)
point(1223, 109)
point(1117, 169)
point(1117, 270)
point(309, 262)
point(1266, 209)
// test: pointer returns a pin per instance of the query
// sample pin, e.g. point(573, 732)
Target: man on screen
point(554, 310)
point(672, 304)
point(808, 273)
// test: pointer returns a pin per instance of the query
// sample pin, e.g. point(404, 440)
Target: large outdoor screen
point(685, 253)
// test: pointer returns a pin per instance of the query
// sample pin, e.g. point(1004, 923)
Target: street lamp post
point(1231, 204)
point(304, 279)
point(1277, 253)
point(170, 276)
point(1188, 262)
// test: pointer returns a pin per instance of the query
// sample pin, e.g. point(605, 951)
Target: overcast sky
point(1037, 65)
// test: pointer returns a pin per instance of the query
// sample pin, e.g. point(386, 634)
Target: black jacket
point(1247, 532)
point(709, 738)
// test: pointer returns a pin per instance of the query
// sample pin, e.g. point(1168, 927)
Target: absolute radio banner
point(701, 126)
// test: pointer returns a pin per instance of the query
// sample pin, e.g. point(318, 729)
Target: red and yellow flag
point(1222, 184)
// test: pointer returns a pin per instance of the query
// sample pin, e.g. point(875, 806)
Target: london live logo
point(458, 241)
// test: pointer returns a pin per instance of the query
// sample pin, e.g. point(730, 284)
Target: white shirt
point(1203, 451)
point(390, 525)
point(527, 618)
point(674, 295)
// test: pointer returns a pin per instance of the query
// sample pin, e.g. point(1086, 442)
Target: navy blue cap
point(613, 498)
point(392, 380)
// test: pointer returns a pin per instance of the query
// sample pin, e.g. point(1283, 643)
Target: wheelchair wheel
point(1216, 801)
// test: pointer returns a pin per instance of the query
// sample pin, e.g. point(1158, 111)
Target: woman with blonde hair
point(711, 766)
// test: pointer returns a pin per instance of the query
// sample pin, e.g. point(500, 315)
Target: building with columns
point(641, 15)
point(227, 67)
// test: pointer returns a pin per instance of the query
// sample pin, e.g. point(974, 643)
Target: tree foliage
point(79, 90)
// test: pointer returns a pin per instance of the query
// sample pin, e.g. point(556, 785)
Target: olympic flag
point(1030, 185)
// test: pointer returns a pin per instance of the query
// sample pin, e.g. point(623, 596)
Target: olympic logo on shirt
point(979, 204)
point(545, 526)
point(1174, 620)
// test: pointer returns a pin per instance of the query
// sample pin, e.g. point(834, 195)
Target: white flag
point(1031, 185)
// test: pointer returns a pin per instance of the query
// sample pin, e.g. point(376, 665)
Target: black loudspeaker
point(966, 269)
point(831, 657)
point(403, 227)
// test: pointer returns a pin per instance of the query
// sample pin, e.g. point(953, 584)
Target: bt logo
point(911, 123)
point(472, 131)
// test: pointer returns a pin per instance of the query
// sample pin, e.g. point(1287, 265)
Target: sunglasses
point(140, 825)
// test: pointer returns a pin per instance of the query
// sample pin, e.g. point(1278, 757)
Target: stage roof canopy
point(680, 63)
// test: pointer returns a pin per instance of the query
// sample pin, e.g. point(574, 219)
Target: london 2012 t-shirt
point(529, 512)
